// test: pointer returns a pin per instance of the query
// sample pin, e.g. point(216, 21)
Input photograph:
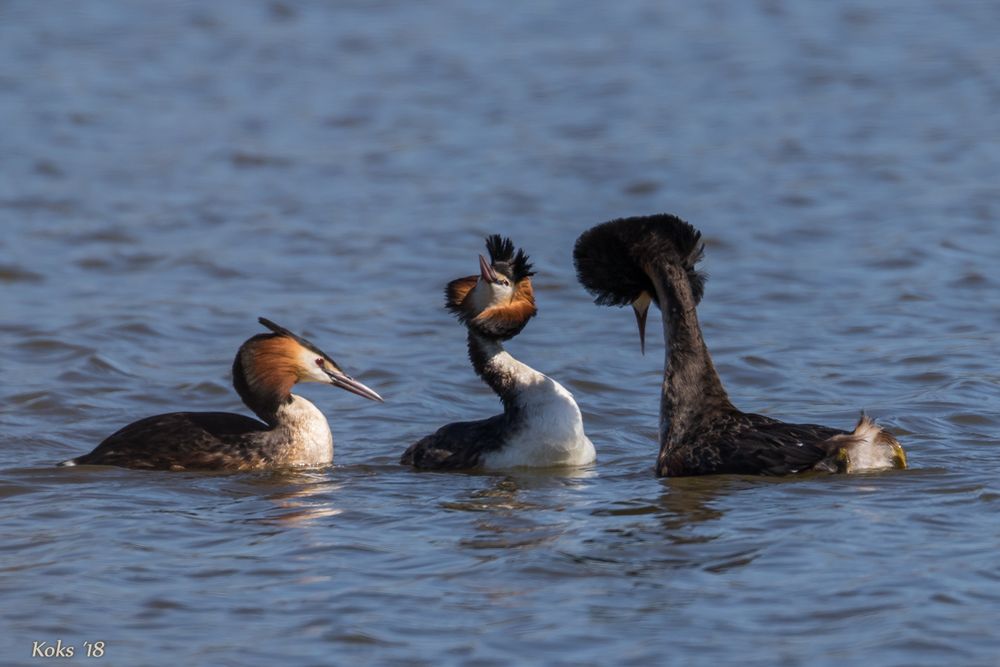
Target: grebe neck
point(504, 374)
point(692, 390)
point(265, 399)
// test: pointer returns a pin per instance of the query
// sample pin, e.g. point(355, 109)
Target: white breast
point(306, 438)
point(550, 429)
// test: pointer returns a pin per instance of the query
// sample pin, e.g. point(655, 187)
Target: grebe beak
point(641, 308)
point(486, 271)
point(344, 381)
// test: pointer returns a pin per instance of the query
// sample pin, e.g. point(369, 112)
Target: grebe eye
point(319, 362)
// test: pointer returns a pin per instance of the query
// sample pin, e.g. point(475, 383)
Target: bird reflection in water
point(502, 522)
point(672, 530)
point(302, 497)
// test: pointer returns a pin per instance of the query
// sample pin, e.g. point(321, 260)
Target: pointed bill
point(486, 271)
point(641, 308)
point(350, 384)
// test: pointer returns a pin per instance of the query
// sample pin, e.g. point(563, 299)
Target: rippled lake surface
point(171, 171)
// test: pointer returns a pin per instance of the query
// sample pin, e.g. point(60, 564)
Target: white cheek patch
point(486, 295)
point(313, 373)
point(502, 294)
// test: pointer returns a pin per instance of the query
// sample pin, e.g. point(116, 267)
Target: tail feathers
point(67, 463)
point(869, 447)
point(612, 258)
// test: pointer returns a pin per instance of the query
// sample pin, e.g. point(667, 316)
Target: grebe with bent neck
point(541, 424)
point(293, 433)
point(643, 260)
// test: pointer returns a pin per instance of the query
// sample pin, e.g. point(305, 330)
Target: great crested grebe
point(294, 432)
point(652, 259)
point(541, 423)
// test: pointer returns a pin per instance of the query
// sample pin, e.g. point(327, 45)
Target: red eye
point(319, 362)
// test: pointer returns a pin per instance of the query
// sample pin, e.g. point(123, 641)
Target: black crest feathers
point(276, 328)
point(282, 331)
point(504, 259)
point(612, 258)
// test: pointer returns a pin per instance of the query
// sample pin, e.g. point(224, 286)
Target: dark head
point(499, 301)
point(267, 366)
point(614, 259)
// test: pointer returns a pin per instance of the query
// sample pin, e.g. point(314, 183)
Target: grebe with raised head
point(541, 424)
point(652, 259)
point(293, 433)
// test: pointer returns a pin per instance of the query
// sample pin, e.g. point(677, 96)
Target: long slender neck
point(503, 373)
point(692, 390)
point(265, 404)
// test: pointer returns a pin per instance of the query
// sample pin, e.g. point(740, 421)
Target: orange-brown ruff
point(505, 319)
point(541, 423)
point(636, 261)
point(293, 432)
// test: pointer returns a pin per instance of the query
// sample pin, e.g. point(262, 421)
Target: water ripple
point(333, 165)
